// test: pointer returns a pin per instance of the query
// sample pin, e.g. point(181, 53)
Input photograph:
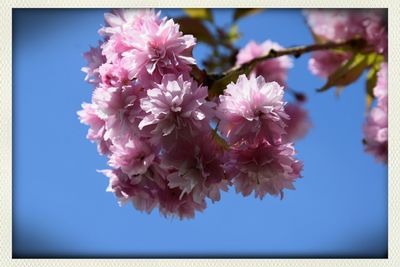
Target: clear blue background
point(61, 208)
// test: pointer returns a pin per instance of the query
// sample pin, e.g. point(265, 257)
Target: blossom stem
point(297, 51)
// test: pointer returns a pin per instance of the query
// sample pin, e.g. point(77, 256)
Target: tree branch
point(217, 82)
point(297, 51)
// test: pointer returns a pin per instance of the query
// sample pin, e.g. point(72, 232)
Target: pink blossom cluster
point(376, 126)
point(155, 123)
point(253, 120)
point(339, 25)
point(276, 70)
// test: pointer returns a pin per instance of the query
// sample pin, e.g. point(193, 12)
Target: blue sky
point(61, 208)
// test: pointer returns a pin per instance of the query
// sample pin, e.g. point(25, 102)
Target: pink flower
point(114, 75)
point(132, 156)
point(176, 104)
point(119, 20)
point(96, 131)
point(273, 70)
point(147, 195)
point(149, 47)
point(143, 194)
point(252, 110)
point(333, 24)
point(95, 59)
point(324, 63)
point(263, 168)
point(119, 108)
point(197, 168)
point(374, 30)
point(376, 134)
point(118, 23)
point(299, 123)
point(158, 51)
point(114, 47)
point(340, 25)
point(172, 202)
point(376, 126)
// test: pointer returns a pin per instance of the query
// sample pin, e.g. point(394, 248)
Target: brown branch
point(297, 51)
point(217, 82)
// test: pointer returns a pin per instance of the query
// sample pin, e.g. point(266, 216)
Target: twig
point(297, 51)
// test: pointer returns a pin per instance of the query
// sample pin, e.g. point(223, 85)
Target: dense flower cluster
point(253, 119)
point(157, 126)
point(376, 126)
point(339, 25)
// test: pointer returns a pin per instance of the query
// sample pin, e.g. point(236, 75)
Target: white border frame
point(6, 132)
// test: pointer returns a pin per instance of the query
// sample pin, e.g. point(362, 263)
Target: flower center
point(157, 52)
point(257, 114)
point(175, 108)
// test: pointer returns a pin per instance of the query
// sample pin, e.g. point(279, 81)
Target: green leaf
point(196, 27)
point(233, 34)
point(348, 72)
point(242, 12)
point(375, 59)
point(199, 13)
